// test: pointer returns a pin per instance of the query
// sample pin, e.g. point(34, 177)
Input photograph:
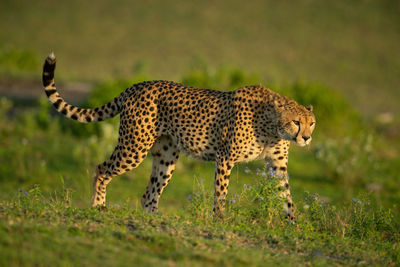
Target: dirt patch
point(31, 89)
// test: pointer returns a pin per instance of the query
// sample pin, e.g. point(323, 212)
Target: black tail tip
point(48, 69)
point(51, 59)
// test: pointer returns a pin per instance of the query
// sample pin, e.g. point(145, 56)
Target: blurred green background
point(352, 46)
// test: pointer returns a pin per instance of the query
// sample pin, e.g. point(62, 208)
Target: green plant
point(223, 78)
point(14, 59)
point(350, 161)
point(200, 200)
point(259, 202)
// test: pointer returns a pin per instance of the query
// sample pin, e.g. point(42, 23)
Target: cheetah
point(167, 118)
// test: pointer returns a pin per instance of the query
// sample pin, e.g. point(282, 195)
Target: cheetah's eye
point(297, 123)
point(312, 124)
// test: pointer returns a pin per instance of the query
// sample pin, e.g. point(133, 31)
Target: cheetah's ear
point(309, 108)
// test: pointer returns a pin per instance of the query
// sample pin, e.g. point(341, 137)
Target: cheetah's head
point(297, 124)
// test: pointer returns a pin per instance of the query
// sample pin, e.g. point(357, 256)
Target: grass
point(63, 235)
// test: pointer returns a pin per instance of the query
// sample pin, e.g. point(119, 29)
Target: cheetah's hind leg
point(123, 159)
point(165, 154)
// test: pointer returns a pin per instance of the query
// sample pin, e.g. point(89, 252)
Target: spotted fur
point(167, 118)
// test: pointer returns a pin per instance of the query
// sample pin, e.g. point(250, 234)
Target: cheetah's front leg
point(221, 183)
point(278, 161)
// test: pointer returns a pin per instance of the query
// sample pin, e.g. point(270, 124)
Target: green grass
point(344, 186)
point(350, 46)
point(251, 233)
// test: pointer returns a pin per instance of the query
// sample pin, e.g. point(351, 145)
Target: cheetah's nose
point(306, 137)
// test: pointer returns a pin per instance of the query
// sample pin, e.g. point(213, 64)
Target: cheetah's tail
point(84, 115)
